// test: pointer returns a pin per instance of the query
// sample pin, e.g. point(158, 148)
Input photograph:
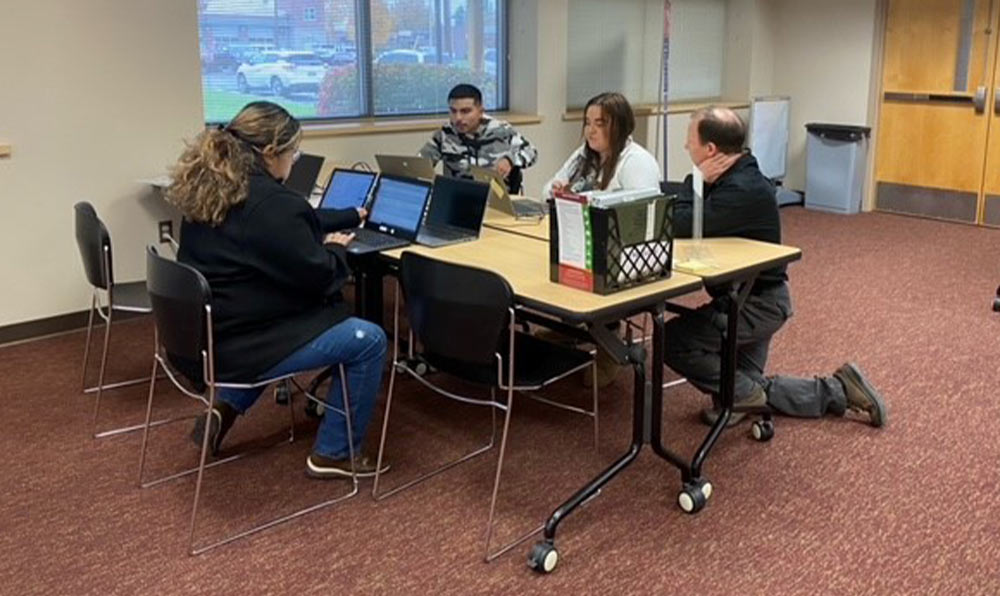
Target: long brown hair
point(212, 174)
point(621, 122)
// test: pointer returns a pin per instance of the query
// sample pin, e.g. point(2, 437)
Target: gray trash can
point(836, 155)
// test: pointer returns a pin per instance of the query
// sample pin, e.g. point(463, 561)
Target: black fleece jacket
point(739, 203)
point(275, 286)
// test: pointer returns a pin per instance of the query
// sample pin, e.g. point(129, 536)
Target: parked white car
point(282, 72)
point(402, 57)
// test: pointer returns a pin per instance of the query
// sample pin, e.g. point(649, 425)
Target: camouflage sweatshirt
point(494, 139)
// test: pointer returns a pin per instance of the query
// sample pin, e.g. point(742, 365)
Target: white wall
point(823, 60)
point(96, 94)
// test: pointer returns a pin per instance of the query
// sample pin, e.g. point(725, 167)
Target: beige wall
point(822, 60)
point(96, 94)
point(106, 91)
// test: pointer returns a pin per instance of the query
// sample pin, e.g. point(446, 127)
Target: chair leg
point(86, 346)
point(104, 364)
point(594, 389)
point(385, 428)
point(490, 556)
point(291, 413)
point(145, 426)
point(201, 467)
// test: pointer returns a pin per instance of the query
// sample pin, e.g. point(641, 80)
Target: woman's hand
point(362, 213)
point(560, 186)
point(340, 238)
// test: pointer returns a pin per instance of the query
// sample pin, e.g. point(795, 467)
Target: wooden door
point(934, 124)
point(989, 211)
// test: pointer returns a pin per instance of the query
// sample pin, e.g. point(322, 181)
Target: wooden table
point(531, 228)
point(517, 251)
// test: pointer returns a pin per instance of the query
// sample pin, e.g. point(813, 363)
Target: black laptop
point(348, 189)
point(455, 213)
point(305, 171)
point(395, 216)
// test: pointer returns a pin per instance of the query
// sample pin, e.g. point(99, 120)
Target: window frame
point(365, 62)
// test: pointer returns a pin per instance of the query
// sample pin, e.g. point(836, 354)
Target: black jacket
point(740, 203)
point(275, 286)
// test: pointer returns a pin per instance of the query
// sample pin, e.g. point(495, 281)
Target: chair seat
point(536, 362)
point(131, 297)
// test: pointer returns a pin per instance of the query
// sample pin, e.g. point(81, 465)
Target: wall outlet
point(166, 231)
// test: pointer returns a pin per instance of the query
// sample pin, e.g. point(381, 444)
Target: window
point(349, 58)
point(616, 46)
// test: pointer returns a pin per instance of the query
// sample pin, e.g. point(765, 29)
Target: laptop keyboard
point(374, 239)
point(527, 207)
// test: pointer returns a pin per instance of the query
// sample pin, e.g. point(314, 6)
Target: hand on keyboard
point(338, 238)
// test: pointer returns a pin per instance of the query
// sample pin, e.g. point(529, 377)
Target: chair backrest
point(92, 238)
point(460, 314)
point(178, 294)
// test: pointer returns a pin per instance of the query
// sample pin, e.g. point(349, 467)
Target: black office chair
point(94, 243)
point(471, 334)
point(181, 303)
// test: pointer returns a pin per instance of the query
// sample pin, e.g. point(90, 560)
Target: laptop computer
point(407, 166)
point(302, 178)
point(455, 213)
point(348, 189)
point(395, 216)
point(501, 200)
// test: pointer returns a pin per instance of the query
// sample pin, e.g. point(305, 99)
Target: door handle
point(979, 99)
point(996, 100)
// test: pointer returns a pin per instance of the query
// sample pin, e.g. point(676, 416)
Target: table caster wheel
point(314, 410)
point(282, 394)
point(694, 496)
point(544, 557)
point(762, 430)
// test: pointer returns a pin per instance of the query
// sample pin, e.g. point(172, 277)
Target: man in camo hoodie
point(471, 138)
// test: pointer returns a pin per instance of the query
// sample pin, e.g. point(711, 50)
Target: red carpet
point(827, 507)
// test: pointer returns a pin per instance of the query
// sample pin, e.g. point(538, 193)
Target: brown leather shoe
point(757, 399)
point(861, 395)
point(320, 466)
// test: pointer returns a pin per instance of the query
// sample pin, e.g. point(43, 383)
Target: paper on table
point(572, 234)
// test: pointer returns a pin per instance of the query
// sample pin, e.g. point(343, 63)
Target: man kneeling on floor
point(740, 201)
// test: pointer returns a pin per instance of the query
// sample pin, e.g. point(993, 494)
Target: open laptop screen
point(304, 172)
point(348, 189)
point(459, 203)
point(399, 204)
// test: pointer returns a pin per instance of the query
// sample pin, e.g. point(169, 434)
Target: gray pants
point(694, 349)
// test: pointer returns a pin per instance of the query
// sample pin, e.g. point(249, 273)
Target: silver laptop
point(501, 200)
point(455, 213)
point(407, 166)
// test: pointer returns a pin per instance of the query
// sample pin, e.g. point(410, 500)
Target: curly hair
point(212, 174)
point(616, 110)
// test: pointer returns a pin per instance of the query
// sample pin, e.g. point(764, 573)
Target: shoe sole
point(708, 418)
point(854, 375)
point(313, 471)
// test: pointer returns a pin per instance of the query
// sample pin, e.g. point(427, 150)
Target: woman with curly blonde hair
point(276, 275)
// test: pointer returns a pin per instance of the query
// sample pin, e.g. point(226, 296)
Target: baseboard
point(39, 328)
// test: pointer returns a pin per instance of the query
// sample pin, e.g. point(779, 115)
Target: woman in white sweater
point(608, 159)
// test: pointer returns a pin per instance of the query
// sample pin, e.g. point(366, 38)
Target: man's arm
point(522, 153)
point(432, 148)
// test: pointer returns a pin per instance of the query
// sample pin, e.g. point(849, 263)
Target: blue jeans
point(357, 344)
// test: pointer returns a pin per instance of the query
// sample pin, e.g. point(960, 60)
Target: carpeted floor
point(827, 507)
